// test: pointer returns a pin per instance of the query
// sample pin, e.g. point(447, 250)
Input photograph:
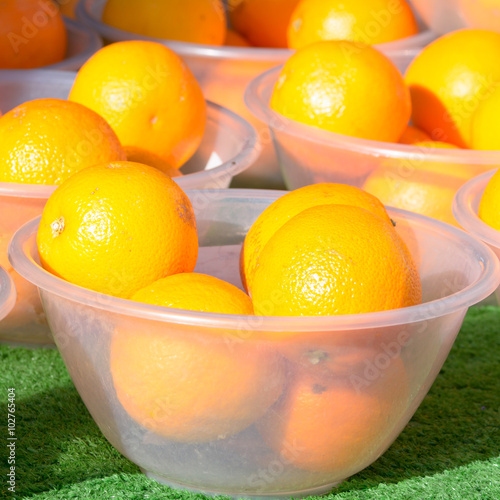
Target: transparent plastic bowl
point(7, 293)
point(441, 16)
point(228, 147)
point(465, 209)
point(82, 43)
point(308, 155)
point(224, 72)
point(390, 357)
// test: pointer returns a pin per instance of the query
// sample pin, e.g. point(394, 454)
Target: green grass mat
point(449, 450)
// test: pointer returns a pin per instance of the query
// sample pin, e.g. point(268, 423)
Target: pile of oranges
point(263, 23)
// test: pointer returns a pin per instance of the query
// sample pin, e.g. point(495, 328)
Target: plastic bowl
point(82, 43)
point(442, 16)
point(228, 147)
point(465, 209)
point(7, 293)
point(308, 155)
point(224, 72)
point(396, 353)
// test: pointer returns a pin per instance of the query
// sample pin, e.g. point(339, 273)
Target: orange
point(344, 87)
point(32, 34)
point(148, 95)
point(67, 7)
point(196, 292)
point(140, 155)
point(412, 134)
point(116, 227)
point(489, 206)
point(44, 141)
point(435, 145)
point(486, 122)
point(291, 204)
point(421, 186)
point(196, 21)
point(234, 39)
point(449, 78)
point(335, 423)
point(370, 21)
point(187, 386)
point(262, 22)
point(334, 259)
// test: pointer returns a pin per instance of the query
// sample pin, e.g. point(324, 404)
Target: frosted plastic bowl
point(465, 209)
point(308, 155)
point(224, 72)
point(444, 16)
point(7, 293)
point(228, 147)
point(397, 353)
point(82, 43)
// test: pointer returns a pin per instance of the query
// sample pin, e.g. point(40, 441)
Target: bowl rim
point(256, 97)
point(73, 28)
point(247, 155)
point(465, 205)
point(8, 293)
point(23, 244)
point(263, 54)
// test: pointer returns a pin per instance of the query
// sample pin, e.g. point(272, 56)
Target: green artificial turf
point(449, 450)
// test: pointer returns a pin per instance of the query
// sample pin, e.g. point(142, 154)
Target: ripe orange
point(486, 122)
point(234, 39)
point(262, 22)
point(196, 292)
point(334, 259)
point(190, 387)
point(44, 141)
point(148, 95)
point(449, 78)
point(196, 21)
point(344, 87)
point(435, 145)
point(330, 423)
point(489, 206)
point(140, 155)
point(115, 227)
point(370, 21)
point(67, 7)
point(412, 134)
point(423, 187)
point(291, 204)
point(32, 34)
